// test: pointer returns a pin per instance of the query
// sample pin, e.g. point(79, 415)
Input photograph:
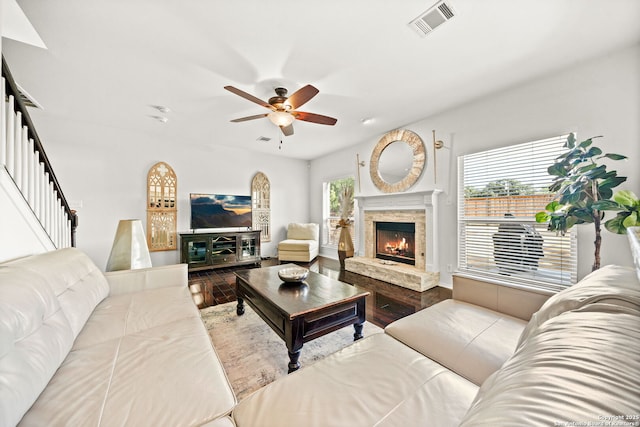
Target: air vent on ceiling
point(27, 99)
point(437, 15)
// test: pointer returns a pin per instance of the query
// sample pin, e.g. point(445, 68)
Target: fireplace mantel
point(422, 203)
point(399, 201)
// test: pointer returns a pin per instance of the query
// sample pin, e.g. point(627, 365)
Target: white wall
point(598, 97)
point(21, 232)
point(105, 181)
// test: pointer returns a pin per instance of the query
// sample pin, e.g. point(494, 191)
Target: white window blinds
point(500, 191)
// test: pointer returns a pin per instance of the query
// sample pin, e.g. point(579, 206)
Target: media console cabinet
point(220, 249)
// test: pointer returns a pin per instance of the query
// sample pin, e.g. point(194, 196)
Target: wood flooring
point(386, 303)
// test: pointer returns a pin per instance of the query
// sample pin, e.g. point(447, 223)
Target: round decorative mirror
point(397, 161)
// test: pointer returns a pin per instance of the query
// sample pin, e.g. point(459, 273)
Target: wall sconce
point(437, 144)
point(359, 164)
point(129, 250)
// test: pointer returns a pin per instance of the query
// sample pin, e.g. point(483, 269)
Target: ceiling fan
point(284, 109)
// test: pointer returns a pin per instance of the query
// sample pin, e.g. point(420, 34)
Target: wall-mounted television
point(220, 211)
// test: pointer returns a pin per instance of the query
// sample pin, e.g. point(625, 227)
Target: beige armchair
point(302, 243)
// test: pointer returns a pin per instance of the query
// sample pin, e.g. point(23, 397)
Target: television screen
point(220, 211)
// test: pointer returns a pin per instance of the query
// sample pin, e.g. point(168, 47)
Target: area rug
point(253, 355)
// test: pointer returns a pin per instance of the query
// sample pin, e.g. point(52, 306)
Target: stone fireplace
point(412, 264)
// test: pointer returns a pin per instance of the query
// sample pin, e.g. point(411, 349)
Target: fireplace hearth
point(395, 241)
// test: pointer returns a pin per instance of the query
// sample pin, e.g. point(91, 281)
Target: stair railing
point(24, 158)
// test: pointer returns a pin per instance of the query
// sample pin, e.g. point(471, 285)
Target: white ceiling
point(108, 62)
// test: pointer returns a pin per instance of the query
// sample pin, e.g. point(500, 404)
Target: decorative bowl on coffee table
point(293, 274)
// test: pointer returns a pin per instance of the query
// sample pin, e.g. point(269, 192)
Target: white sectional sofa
point(575, 362)
point(82, 348)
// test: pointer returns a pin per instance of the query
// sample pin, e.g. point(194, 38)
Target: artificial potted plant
point(584, 191)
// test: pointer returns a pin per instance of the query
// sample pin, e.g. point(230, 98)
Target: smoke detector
point(435, 16)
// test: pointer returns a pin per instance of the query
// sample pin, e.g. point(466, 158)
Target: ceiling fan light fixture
point(280, 118)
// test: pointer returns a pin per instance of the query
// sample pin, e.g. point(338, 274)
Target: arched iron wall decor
point(411, 174)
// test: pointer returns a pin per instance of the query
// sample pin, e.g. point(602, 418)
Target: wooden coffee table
point(300, 312)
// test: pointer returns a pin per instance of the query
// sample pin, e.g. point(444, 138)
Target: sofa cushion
point(610, 284)
point(129, 313)
point(578, 367)
point(78, 284)
point(160, 376)
point(375, 380)
point(298, 245)
point(299, 231)
point(472, 341)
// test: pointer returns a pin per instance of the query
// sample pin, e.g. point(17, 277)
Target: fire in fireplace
point(396, 241)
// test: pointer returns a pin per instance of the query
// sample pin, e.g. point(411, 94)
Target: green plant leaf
point(625, 198)
point(585, 215)
point(587, 168)
point(593, 151)
point(555, 186)
point(613, 156)
point(610, 174)
point(606, 205)
point(552, 206)
point(581, 185)
point(542, 217)
point(586, 143)
point(615, 225)
point(632, 220)
point(570, 198)
point(571, 140)
point(612, 182)
point(557, 169)
point(596, 173)
point(574, 162)
point(605, 193)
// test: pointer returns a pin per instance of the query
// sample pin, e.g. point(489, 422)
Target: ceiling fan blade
point(287, 130)
point(248, 96)
point(302, 96)
point(244, 119)
point(314, 118)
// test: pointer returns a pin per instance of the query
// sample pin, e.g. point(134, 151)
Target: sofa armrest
point(125, 281)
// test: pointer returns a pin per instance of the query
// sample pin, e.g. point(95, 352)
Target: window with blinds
point(500, 191)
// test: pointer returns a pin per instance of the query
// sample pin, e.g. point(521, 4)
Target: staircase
point(34, 212)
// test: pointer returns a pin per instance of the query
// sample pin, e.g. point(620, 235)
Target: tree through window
point(332, 209)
